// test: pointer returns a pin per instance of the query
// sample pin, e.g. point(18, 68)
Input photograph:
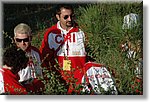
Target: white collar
point(6, 67)
point(59, 27)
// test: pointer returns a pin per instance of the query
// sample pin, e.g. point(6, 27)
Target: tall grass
point(103, 26)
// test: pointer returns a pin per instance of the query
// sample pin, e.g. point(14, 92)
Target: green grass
point(103, 26)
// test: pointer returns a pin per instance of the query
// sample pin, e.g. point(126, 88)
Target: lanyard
point(67, 48)
point(67, 38)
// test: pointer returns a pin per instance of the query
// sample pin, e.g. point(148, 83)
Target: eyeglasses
point(24, 40)
point(67, 16)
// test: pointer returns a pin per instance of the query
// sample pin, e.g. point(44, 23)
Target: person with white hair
point(29, 76)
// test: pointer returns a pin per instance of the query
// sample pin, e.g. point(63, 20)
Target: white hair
point(22, 28)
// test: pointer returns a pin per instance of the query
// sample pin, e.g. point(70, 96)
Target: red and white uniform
point(65, 45)
point(33, 70)
point(96, 76)
point(9, 83)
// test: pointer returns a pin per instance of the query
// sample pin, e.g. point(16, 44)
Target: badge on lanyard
point(67, 65)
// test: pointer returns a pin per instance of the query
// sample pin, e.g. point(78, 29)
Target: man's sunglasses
point(67, 16)
point(24, 40)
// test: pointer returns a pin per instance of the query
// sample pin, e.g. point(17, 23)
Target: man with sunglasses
point(29, 75)
point(64, 43)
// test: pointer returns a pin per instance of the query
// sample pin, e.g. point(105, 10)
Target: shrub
point(103, 26)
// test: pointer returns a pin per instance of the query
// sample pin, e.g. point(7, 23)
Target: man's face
point(65, 18)
point(23, 41)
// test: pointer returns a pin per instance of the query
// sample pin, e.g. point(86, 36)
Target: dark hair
point(66, 6)
point(16, 58)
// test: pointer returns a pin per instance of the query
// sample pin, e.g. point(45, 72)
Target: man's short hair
point(22, 28)
point(66, 6)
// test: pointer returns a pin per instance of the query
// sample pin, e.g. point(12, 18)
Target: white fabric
point(33, 70)
point(1, 82)
point(75, 43)
point(99, 78)
point(130, 21)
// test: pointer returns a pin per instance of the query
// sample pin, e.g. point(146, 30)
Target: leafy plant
point(103, 26)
